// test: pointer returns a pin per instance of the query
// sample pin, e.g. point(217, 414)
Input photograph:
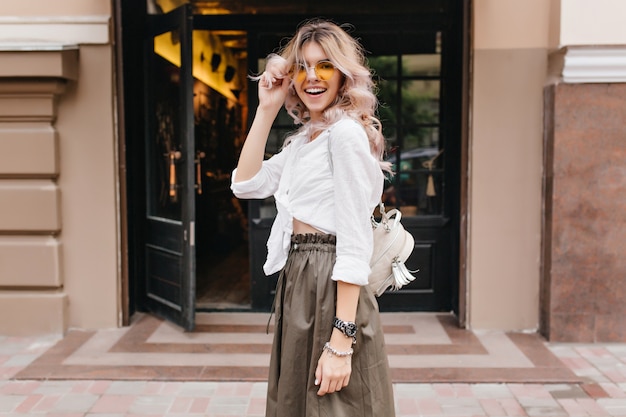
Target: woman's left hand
point(333, 372)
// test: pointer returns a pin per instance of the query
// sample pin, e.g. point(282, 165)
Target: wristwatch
point(348, 328)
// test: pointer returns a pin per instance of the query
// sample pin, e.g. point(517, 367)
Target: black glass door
point(416, 60)
point(170, 153)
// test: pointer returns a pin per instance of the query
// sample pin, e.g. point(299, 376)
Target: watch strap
point(348, 328)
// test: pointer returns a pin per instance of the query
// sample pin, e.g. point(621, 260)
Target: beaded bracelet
point(332, 350)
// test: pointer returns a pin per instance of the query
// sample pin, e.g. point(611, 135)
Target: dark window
point(409, 89)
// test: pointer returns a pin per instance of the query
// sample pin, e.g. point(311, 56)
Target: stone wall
point(583, 294)
point(31, 278)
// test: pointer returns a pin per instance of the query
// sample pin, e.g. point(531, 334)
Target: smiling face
point(316, 89)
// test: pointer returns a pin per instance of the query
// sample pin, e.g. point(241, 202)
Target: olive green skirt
point(305, 308)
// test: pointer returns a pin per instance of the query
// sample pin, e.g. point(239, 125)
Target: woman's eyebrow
point(307, 63)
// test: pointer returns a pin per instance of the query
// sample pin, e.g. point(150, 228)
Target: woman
point(328, 356)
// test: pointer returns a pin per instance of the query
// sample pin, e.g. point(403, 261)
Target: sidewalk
point(600, 392)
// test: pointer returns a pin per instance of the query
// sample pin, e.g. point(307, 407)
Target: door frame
point(130, 20)
point(125, 292)
point(464, 201)
point(129, 26)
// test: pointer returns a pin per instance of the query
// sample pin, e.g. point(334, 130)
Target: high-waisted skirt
point(304, 312)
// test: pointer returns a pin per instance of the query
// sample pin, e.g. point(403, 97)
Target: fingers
point(272, 91)
point(331, 376)
point(320, 380)
point(285, 82)
point(328, 386)
point(271, 79)
point(318, 374)
point(323, 388)
point(268, 80)
point(277, 66)
point(273, 86)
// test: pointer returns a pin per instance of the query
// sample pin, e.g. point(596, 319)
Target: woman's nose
point(310, 73)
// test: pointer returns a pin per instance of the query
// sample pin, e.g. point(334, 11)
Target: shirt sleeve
point(265, 182)
point(358, 182)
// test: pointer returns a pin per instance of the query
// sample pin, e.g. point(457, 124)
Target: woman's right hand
point(274, 84)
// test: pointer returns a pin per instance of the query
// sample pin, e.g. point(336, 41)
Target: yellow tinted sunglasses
point(324, 71)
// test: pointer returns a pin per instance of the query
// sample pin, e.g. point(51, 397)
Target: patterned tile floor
point(153, 369)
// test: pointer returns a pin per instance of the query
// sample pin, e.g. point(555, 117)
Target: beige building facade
point(543, 169)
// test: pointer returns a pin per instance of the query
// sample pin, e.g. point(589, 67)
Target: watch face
point(350, 329)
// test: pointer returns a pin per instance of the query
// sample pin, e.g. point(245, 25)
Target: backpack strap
point(330, 155)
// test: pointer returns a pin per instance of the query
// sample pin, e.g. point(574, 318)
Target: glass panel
point(420, 193)
point(219, 105)
point(216, 65)
point(267, 209)
point(424, 65)
point(390, 132)
point(388, 98)
point(261, 65)
point(384, 66)
point(275, 141)
point(420, 101)
point(164, 141)
point(420, 138)
point(283, 119)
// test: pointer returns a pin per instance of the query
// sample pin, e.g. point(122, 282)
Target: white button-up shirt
point(336, 200)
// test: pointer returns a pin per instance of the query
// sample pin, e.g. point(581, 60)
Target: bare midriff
point(301, 228)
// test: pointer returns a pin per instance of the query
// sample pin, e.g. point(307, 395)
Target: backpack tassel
point(401, 274)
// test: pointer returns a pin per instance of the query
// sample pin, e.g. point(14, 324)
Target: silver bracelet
point(332, 350)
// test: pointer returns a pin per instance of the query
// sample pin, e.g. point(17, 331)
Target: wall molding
point(601, 64)
point(45, 30)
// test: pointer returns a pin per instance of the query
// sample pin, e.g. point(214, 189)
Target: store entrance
point(188, 103)
point(220, 108)
point(194, 66)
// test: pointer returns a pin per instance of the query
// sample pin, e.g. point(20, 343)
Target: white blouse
point(336, 201)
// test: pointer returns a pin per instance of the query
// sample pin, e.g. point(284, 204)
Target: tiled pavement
point(154, 369)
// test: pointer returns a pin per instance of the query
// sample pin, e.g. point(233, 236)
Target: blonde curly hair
point(356, 97)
